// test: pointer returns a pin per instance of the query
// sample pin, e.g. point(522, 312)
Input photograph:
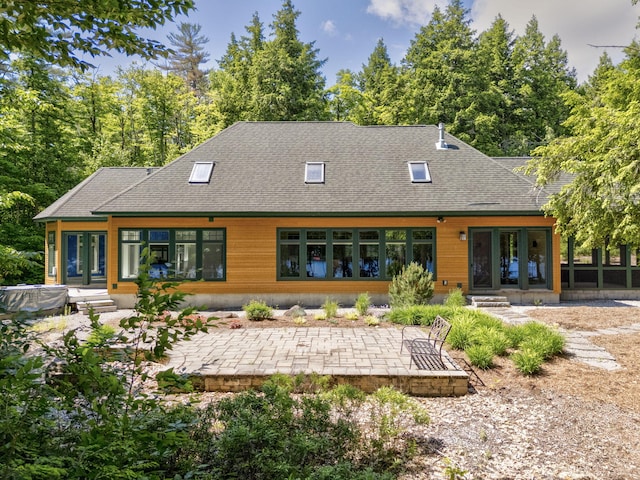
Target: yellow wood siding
point(251, 251)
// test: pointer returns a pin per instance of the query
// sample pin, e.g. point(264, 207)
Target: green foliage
point(455, 298)
point(258, 310)
point(71, 412)
point(419, 314)
point(599, 155)
point(363, 302)
point(412, 286)
point(371, 321)
point(494, 338)
point(63, 31)
point(330, 308)
point(290, 437)
point(482, 336)
point(527, 360)
point(480, 355)
point(462, 333)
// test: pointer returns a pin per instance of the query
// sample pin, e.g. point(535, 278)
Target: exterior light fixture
point(440, 219)
point(463, 236)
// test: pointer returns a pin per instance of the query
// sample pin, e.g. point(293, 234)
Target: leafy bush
point(462, 333)
point(317, 436)
point(420, 314)
point(480, 356)
point(362, 304)
point(412, 286)
point(455, 298)
point(257, 310)
point(494, 338)
point(69, 412)
point(371, 321)
point(353, 316)
point(527, 360)
point(330, 308)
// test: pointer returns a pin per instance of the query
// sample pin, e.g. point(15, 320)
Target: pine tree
point(188, 56)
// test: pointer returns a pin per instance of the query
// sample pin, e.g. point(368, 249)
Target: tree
point(541, 76)
point(285, 78)
point(601, 204)
point(439, 68)
point(188, 56)
point(489, 114)
point(61, 31)
point(378, 82)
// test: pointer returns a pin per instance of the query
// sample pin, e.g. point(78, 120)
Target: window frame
point(51, 252)
point(199, 174)
point(412, 173)
point(309, 173)
point(302, 241)
point(174, 239)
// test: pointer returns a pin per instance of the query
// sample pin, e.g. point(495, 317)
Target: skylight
point(201, 172)
point(419, 172)
point(314, 172)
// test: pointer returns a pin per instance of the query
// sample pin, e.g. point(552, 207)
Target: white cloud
point(578, 23)
point(329, 27)
point(411, 12)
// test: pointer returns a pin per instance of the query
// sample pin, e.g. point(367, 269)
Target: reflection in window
point(51, 254)
point(213, 255)
point(352, 253)
point(185, 254)
point(509, 261)
point(342, 254)
point(537, 263)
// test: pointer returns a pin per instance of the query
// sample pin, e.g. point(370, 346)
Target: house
point(295, 212)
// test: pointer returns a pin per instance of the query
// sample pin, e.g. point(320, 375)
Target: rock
point(295, 311)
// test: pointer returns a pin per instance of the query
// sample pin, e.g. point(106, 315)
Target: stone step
point(489, 301)
point(99, 306)
point(491, 304)
point(488, 298)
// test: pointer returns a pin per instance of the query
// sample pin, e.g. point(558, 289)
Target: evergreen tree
point(188, 56)
point(601, 204)
point(439, 68)
point(378, 82)
point(285, 78)
point(541, 76)
point(489, 114)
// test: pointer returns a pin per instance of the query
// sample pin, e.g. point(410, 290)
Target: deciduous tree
point(62, 31)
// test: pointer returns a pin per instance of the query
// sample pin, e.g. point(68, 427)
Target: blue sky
point(346, 31)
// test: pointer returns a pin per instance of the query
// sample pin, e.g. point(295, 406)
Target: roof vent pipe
point(441, 144)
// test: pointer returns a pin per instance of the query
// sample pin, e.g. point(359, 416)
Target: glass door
point(509, 259)
point(481, 265)
point(85, 256)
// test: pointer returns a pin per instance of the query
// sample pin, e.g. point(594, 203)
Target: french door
point(509, 258)
point(85, 258)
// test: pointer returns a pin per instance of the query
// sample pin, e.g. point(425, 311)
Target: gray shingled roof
point(259, 170)
point(81, 200)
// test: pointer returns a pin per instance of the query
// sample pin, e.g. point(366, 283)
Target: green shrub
point(371, 321)
point(494, 338)
point(330, 308)
point(455, 298)
point(363, 302)
point(548, 344)
point(462, 333)
point(412, 286)
point(420, 314)
point(480, 356)
point(527, 361)
point(257, 310)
